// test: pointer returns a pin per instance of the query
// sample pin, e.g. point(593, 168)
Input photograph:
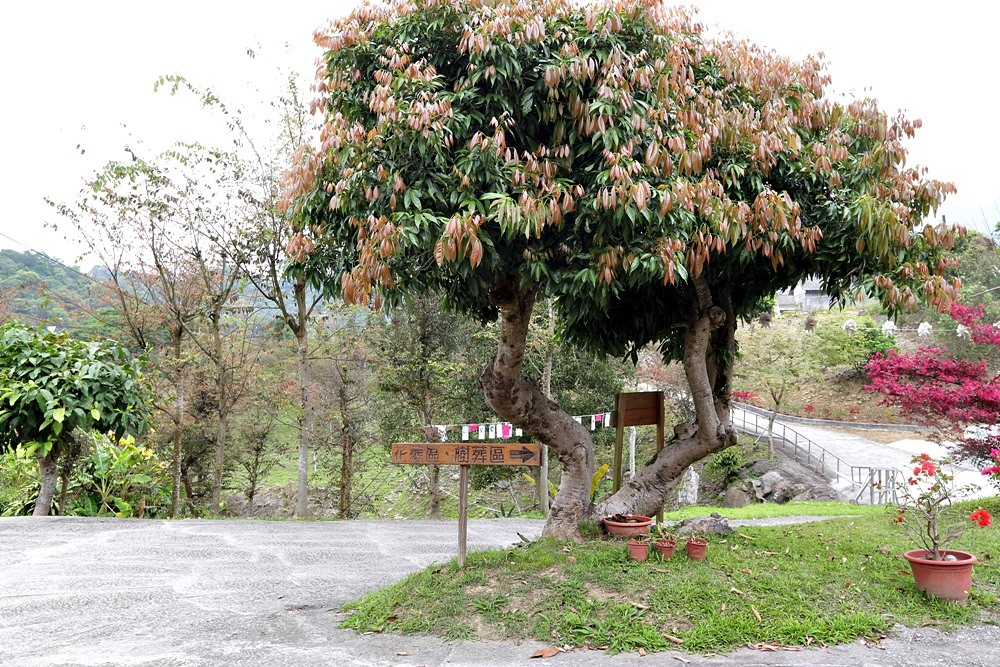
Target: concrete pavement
point(79, 591)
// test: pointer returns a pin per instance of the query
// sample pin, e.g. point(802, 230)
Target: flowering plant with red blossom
point(924, 506)
point(993, 471)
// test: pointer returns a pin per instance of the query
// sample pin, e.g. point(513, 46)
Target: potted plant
point(627, 525)
point(663, 542)
point(925, 511)
point(638, 548)
point(696, 548)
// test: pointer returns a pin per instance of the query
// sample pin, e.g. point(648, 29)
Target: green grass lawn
point(806, 584)
point(772, 510)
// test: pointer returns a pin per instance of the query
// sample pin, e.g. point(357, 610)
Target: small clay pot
point(665, 548)
point(696, 548)
point(638, 550)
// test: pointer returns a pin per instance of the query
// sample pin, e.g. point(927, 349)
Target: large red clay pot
point(946, 579)
point(634, 525)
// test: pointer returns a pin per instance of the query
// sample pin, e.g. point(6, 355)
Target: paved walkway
point(856, 450)
point(79, 591)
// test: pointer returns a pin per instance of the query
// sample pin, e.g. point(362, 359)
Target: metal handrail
point(879, 484)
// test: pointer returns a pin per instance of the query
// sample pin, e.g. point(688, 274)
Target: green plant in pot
point(664, 543)
point(925, 512)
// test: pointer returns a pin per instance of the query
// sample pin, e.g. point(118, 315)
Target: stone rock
point(759, 467)
point(715, 524)
point(688, 493)
point(773, 488)
point(736, 497)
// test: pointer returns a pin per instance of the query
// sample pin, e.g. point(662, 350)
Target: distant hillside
point(37, 289)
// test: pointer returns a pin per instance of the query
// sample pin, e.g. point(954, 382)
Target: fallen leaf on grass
point(642, 652)
point(570, 559)
point(672, 639)
point(770, 647)
point(746, 537)
point(546, 652)
point(848, 584)
point(738, 592)
point(684, 660)
point(756, 614)
point(746, 570)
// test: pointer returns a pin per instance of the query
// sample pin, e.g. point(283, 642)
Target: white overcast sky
point(81, 73)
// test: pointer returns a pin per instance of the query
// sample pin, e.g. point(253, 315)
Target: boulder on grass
point(714, 524)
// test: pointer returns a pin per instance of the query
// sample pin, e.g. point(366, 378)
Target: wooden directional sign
point(461, 453)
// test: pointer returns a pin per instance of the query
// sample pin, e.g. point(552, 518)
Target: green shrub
point(119, 478)
point(112, 478)
point(19, 482)
point(726, 464)
point(835, 347)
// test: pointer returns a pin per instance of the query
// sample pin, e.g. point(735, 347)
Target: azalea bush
point(925, 511)
point(993, 471)
point(959, 397)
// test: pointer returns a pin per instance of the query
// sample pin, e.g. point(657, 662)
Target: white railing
point(878, 484)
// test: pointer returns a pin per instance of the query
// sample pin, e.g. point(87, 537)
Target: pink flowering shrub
point(943, 391)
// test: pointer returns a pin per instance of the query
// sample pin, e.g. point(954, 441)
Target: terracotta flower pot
point(696, 548)
point(665, 548)
point(635, 525)
point(638, 550)
point(946, 579)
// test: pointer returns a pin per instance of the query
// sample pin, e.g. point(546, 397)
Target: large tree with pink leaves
point(657, 183)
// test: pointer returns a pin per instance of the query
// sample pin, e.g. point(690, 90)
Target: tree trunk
point(776, 398)
point(69, 460)
point(521, 402)
point(175, 492)
point(542, 474)
point(221, 415)
point(346, 449)
point(50, 476)
point(710, 330)
point(305, 411)
point(431, 434)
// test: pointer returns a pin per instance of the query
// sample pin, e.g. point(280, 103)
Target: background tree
point(418, 354)
point(658, 184)
point(51, 386)
point(255, 239)
point(123, 217)
point(774, 361)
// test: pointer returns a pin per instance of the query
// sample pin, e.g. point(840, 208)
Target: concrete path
point(131, 592)
point(856, 450)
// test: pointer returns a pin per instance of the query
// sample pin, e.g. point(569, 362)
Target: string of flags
point(506, 430)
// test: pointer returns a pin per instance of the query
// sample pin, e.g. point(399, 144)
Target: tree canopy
point(609, 154)
point(657, 182)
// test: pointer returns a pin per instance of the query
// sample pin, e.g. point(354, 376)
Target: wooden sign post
point(640, 408)
point(463, 455)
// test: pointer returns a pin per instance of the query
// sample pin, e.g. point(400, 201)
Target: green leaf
point(58, 415)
